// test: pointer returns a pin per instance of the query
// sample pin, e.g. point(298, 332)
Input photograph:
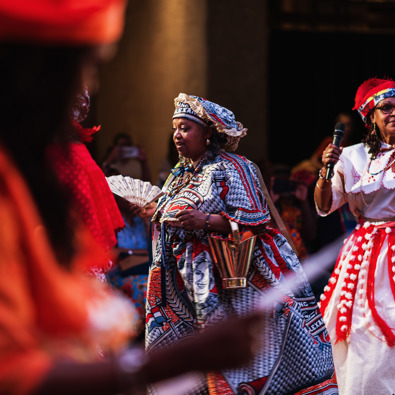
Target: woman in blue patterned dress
point(207, 189)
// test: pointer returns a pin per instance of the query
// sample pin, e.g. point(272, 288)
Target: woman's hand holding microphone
point(323, 187)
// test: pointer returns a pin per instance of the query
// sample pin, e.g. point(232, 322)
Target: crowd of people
point(87, 277)
point(62, 330)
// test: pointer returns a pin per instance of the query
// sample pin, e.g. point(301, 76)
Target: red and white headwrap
point(62, 21)
point(370, 93)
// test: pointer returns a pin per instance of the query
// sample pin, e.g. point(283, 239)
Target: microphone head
point(339, 128)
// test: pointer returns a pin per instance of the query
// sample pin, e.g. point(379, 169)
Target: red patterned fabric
point(94, 200)
point(370, 88)
point(48, 313)
point(330, 386)
point(361, 251)
point(370, 93)
point(62, 21)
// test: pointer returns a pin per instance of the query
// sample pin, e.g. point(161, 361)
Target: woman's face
point(190, 138)
point(384, 117)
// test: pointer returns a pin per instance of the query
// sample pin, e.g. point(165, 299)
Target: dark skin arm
point(195, 219)
point(323, 188)
point(190, 219)
point(226, 345)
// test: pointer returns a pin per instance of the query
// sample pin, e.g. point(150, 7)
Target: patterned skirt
point(185, 294)
point(358, 306)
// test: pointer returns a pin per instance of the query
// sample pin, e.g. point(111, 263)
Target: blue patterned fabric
point(214, 111)
point(133, 236)
point(295, 351)
point(220, 188)
point(208, 113)
point(219, 113)
point(132, 282)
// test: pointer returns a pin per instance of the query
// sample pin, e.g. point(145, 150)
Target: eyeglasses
point(386, 108)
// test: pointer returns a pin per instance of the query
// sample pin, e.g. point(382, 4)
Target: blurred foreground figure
point(52, 315)
point(84, 180)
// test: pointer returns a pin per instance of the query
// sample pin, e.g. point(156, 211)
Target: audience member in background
point(168, 163)
point(127, 159)
point(291, 200)
point(130, 271)
point(308, 169)
point(342, 221)
point(347, 120)
point(51, 314)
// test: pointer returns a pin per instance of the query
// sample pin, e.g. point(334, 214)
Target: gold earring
point(208, 142)
point(373, 131)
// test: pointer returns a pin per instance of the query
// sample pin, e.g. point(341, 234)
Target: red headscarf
point(62, 21)
point(370, 93)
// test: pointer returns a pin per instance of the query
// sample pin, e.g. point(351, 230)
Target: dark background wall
point(284, 67)
point(237, 33)
point(314, 76)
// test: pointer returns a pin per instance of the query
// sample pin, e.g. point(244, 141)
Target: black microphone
point(337, 138)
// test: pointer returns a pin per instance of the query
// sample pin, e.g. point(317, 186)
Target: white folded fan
point(135, 191)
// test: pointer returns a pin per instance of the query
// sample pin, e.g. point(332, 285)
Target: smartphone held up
point(130, 152)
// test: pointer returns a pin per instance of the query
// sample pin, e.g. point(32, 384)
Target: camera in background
point(130, 152)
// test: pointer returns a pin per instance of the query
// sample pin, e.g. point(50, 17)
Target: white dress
point(358, 302)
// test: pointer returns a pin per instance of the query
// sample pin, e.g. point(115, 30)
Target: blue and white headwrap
point(208, 113)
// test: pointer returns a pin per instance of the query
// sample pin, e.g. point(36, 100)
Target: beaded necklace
point(183, 175)
point(391, 162)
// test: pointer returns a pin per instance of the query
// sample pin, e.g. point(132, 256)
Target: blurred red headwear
point(370, 93)
point(62, 21)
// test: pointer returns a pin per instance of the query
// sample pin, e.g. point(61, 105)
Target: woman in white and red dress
point(358, 303)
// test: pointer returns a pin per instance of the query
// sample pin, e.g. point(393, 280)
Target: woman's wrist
point(322, 175)
point(207, 227)
point(216, 223)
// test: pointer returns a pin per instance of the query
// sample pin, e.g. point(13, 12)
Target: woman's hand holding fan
point(140, 194)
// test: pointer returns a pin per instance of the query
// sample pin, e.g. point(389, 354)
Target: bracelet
point(323, 177)
point(208, 222)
